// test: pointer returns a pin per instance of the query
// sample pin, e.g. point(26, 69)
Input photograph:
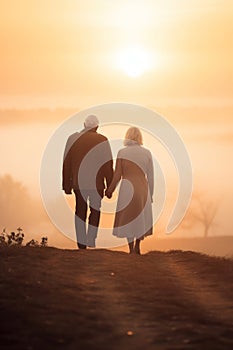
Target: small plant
point(35, 243)
point(3, 237)
point(16, 239)
point(32, 243)
point(44, 242)
point(12, 238)
point(19, 237)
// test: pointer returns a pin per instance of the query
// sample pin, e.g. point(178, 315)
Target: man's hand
point(108, 194)
point(68, 190)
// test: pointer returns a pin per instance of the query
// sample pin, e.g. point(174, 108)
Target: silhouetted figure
point(134, 167)
point(87, 169)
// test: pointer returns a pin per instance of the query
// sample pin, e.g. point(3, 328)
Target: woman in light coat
point(134, 167)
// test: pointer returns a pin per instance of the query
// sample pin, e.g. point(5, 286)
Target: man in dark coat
point(87, 170)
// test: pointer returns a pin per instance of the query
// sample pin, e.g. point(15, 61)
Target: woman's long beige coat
point(134, 167)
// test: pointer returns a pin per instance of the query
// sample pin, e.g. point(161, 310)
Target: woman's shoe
point(137, 247)
point(131, 247)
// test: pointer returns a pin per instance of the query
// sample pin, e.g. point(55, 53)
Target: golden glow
point(179, 50)
point(134, 61)
point(132, 16)
point(173, 56)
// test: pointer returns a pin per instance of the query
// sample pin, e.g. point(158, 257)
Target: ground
point(101, 299)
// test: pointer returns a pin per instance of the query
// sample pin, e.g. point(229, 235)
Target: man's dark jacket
point(87, 153)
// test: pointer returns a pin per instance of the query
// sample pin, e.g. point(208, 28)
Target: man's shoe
point(82, 246)
point(91, 245)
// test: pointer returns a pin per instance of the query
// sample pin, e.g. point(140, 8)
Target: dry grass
point(100, 299)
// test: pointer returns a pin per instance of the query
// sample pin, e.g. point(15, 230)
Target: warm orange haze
point(74, 53)
point(174, 57)
point(145, 263)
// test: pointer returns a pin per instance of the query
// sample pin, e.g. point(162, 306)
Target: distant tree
point(14, 202)
point(17, 206)
point(201, 211)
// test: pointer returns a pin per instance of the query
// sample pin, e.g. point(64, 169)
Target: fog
point(209, 144)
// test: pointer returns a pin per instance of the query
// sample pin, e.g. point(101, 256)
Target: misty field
point(100, 299)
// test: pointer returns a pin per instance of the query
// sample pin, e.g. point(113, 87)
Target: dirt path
point(180, 308)
point(207, 293)
point(53, 299)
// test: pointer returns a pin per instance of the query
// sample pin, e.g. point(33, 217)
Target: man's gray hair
point(91, 122)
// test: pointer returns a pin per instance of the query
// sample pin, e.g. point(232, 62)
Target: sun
point(134, 61)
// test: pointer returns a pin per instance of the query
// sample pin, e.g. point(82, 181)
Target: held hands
point(108, 194)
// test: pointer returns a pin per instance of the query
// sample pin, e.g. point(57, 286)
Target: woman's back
point(136, 154)
point(136, 162)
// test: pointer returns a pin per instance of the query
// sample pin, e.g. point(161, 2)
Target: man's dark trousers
point(87, 232)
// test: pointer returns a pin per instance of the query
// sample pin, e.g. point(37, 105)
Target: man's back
point(87, 161)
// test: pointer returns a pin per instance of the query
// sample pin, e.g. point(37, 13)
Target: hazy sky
point(67, 53)
point(173, 55)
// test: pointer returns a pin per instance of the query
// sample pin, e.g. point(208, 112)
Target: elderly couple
point(88, 171)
